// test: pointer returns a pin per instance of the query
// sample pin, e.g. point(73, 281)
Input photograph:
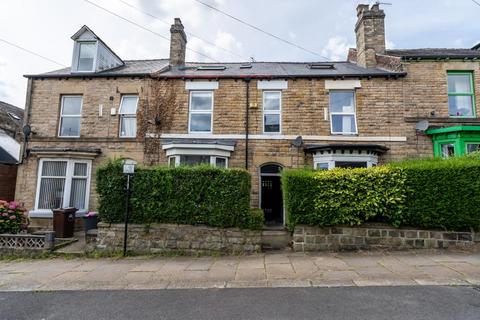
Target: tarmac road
point(408, 302)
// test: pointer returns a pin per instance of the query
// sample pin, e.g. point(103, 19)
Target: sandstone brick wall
point(172, 237)
point(307, 238)
point(385, 108)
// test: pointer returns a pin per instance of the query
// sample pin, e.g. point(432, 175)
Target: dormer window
point(86, 56)
point(91, 54)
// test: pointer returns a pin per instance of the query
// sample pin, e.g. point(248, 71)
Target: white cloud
point(3, 80)
point(292, 35)
point(337, 48)
point(389, 44)
point(223, 40)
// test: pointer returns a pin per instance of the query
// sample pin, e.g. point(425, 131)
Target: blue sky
point(322, 26)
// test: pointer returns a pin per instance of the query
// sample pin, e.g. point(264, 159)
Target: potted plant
point(90, 221)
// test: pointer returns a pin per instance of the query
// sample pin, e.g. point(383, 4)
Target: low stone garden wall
point(173, 237)
point(307, 238)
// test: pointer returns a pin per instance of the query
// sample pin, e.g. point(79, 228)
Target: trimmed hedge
point(442, 194)
point(183, 195)
point(431, 194)
point(342, 196)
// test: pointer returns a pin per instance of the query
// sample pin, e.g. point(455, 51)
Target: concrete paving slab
point(280, 271)
point(260, 270)
point(254, 274)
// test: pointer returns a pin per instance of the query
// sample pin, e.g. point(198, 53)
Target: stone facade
point(307, 238)
point(387, 109)
point(172, 237)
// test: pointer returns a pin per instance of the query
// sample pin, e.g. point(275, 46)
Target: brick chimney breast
point(370, 34)
point(178, 43)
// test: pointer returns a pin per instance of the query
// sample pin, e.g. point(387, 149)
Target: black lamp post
point(129, 170)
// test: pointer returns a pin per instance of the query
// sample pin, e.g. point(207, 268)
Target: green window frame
point(458, 94)
point(458, 136)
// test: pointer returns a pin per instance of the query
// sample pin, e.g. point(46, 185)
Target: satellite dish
point(26, 130)
point(422, 125)
point(298, 142)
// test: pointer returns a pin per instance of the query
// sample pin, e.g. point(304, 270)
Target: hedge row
point(442, 194)
point(183, 195)
point(342, 196)
point(439, 194)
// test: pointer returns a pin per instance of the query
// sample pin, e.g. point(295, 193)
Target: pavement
point(352, 303)
point(274, 269)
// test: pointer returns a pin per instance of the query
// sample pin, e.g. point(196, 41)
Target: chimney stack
point(178, 43)
point(370, 32)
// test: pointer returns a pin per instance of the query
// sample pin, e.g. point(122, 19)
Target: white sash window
point(70, 116)
point(201, 109)
point(342, 112)
point(128, 116)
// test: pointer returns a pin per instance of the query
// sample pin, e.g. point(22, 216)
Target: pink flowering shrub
point(13, 218)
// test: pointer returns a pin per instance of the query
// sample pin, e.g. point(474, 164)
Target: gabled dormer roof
point(105, 58)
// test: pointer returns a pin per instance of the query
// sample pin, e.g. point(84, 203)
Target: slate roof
point(160, 68)
point(6, 158)
point(434, 53)
point(131, 68)
point(276, 70)
point(7, 108)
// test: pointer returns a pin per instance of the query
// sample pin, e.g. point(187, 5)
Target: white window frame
point(68, 182)
point(77, 56)
point(70, 116)
point(272, 112)
point(213, 159)
point(210, 112)
point(330, 159)
point(343, 113)
point(128, 115)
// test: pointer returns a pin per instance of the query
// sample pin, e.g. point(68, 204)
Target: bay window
point(201, 108)
point(461, 101)
point(272, 108)
point(70, 116)
point(342, 112)
point(128, 116)
point(195, 159)
point(63, 183)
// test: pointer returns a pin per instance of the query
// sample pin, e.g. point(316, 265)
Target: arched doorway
point(271, 198)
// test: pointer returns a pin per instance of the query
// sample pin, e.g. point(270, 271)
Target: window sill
point(49, 213)
point(344, 134)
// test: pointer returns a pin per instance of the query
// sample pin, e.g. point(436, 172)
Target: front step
point(276, 239)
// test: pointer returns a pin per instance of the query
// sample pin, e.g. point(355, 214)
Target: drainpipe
point(26, 119)
point(247, 105)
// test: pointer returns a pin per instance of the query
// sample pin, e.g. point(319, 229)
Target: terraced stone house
point(378, 105)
